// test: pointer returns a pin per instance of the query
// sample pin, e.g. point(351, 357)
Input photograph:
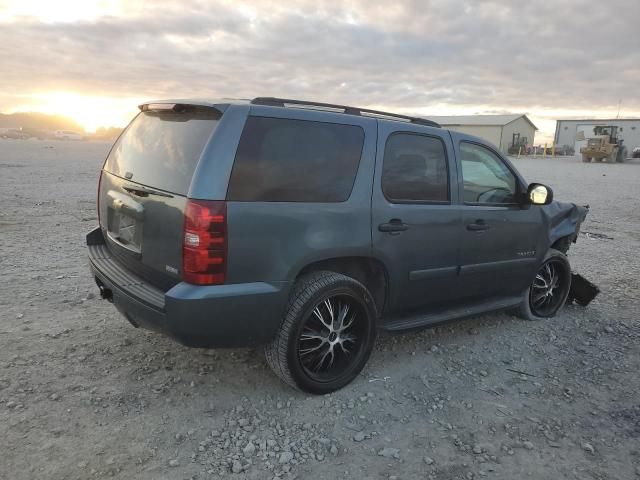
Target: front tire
point(327, 334)
point(549, 290)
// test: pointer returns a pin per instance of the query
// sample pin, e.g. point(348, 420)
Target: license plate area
point(124, 230)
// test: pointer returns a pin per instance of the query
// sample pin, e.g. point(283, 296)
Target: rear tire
point(545, 297)
point(317, 349)
point(586, 159)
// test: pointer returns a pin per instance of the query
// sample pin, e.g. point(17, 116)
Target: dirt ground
point(84, 395)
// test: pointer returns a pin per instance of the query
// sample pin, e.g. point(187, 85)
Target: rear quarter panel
point(274, 241)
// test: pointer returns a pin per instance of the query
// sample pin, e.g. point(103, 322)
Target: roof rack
point(362, 112)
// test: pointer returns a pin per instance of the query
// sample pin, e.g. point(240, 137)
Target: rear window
point(415, 169)
point(283, 160)
point(162, 150)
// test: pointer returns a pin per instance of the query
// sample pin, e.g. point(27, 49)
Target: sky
point(95, 61)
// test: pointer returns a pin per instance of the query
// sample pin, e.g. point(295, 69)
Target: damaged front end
point(564, 221)
point(582, 291)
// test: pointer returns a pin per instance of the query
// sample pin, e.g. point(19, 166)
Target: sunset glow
point(59, 10)
point(96, 60)
point(90, 112)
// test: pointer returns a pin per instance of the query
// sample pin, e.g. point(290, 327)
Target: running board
point(396, 324)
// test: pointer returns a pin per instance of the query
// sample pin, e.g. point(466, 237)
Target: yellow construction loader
point(604, 146)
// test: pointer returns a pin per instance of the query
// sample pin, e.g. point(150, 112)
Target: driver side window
point(486, 178)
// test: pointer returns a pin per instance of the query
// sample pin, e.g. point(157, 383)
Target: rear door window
point(415, 169)
point(284, 160)
point(162, 149)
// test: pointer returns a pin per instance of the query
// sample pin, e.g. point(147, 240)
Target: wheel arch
point(562, 244)
point(369, 271)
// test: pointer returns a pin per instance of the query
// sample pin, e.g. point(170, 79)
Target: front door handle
point(478, 226)
point(394, 225)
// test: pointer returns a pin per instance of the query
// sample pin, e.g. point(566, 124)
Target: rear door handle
point(394, 225)
point(479, 226)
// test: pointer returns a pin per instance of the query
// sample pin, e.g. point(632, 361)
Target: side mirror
point(539, 194)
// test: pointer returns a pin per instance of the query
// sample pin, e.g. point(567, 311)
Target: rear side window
point(283, 160)
point(415, 169)
point(162, 150)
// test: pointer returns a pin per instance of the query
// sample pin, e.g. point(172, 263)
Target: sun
point(91, 112)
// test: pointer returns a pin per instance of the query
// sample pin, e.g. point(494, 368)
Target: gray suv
point(307, 227)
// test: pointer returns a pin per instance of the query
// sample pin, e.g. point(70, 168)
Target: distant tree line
point(38, 121)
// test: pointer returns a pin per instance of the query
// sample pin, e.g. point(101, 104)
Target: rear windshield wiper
point(141, 191)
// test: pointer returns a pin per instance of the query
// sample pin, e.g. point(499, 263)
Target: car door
point(415, 224)
point(500, 235)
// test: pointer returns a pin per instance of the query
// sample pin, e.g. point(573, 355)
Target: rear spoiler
point(156, 107)
point(179, 106)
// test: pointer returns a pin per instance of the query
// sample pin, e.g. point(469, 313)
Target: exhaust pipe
point(105, 293)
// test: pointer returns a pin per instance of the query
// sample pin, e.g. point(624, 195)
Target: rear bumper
point(236, 315)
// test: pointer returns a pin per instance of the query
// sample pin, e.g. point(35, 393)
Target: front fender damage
point(564, 221)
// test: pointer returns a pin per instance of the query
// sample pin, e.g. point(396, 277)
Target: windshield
point(162, 150)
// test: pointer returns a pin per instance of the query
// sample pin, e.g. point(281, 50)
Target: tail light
point(98, 199)
point(204, 244)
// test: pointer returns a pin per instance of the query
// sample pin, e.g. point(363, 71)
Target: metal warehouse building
point(501, 130)
point(572, 132)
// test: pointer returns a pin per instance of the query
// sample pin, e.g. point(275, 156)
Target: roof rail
point(363, 112)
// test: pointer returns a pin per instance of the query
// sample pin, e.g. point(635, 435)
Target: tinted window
point(486, 178)
point(282, 160)
point(415, 168)
point(162, 149)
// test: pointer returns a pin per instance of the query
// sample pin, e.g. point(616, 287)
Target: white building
point(575, 132)
point(501, 130)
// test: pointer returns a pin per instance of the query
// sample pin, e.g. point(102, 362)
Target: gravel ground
point(84, 395)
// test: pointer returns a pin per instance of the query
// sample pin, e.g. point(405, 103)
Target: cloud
point(411, 56)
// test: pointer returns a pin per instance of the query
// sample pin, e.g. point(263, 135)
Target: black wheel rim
point(549, 289)
point(333, 337)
